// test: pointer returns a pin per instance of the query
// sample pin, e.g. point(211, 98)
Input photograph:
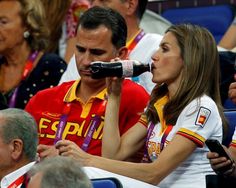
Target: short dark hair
point(97, 16)
point(142, 4)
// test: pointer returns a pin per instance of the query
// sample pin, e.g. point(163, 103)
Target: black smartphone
point(215, 146)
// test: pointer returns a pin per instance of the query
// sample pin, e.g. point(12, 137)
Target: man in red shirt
point(75, 110)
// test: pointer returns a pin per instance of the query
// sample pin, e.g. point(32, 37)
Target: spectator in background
point(24, 67)
point(76, 9)
point(18, 144)
point(62, 20)
point(58, 172)
point(182, 113)
point(227, 69)
point(55, 13)
point(232, 91)
point(140, 45)
point(228, 41)
point(70, 112)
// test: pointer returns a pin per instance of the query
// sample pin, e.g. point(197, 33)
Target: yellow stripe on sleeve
point(196, 138)
point(233, 143)
point(143, 120)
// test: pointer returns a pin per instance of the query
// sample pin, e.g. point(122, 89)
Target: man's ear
point(123, 53)
point(17, 147)
point(132, 6)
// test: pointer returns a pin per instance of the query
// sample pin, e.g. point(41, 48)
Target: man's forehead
point(81, 46)
point(98, 36)
point(106, 3)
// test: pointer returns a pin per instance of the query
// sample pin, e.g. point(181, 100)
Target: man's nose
point(86, 59)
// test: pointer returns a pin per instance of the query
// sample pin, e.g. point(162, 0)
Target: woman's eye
point(164, 49)
point(2, 22)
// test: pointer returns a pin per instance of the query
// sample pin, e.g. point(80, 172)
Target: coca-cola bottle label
point(127, 68)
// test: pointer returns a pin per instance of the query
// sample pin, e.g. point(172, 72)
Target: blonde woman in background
point(25, 68)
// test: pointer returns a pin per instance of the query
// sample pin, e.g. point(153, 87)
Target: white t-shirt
point(13, 176)
point(198, 121)
point(142, 52)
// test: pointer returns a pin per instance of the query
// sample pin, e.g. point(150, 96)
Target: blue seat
point(231, 117)
point(228, 104)
point(109, 182)
point(216, 18)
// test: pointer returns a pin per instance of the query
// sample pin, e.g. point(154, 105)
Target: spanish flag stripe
point(233, 143)
point(199, 140)
point(143, 122)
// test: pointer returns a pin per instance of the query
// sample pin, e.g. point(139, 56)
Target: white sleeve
point(200, 120)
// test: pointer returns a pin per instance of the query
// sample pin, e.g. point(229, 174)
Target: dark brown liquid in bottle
point(126, 68)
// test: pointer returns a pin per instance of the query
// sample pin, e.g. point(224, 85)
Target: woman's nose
point(155, 56)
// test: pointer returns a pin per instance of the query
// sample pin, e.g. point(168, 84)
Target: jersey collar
point(71, 93)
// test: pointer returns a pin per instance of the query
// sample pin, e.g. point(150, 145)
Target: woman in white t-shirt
point(184, 111)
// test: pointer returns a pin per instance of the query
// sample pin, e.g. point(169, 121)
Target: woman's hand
point(70, 149)
point(114, 84)
point(45, 151)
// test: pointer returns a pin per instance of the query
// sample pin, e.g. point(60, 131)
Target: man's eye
point(80, 49)
point(97, 52)
point(2, 21)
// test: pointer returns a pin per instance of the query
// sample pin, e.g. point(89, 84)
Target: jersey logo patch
point(202, 116)
point(51, 115)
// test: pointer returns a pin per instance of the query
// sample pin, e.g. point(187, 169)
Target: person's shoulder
point(150, 40)
point(47, 97)
point(51, 64)
point(203, 101)
point(52, 58)
point(59, 90)
point(206, 99)
point(152, 36)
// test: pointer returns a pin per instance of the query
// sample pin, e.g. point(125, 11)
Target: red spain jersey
point(47, 107)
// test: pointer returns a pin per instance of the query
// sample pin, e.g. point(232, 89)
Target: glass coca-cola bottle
point(121, 68)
